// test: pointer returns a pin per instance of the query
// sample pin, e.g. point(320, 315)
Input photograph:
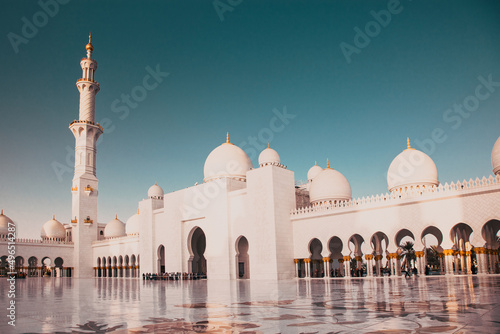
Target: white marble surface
point(458, 304)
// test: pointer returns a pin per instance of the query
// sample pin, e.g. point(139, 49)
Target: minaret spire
point(85, 184)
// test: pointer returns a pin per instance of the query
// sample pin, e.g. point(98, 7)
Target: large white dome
point(313, 172)
point(495, 157)
point(227, 160)
point(114, 229)
point(133, 225)
point(53, 229)
point(269, 157)
point(155, 191)
point(329, 185)
point(4, 224)
point(411, 168)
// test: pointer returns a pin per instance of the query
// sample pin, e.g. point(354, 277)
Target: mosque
point(246, 222)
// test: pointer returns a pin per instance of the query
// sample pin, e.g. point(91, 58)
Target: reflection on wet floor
point(468, 304)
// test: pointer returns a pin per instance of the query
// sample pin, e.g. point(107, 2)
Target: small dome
point(133, 225)
point(114, 229)
point(411, 168)
point(155, 191)
point(227, 160)
point(495, 157)
point(269, 157)
point(53, 229)
point(313, 172)
point(4, 224)
point(329, 185)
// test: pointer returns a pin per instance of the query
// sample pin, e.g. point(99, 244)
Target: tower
point(85, 184)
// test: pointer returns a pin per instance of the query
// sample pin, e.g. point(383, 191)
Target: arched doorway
point(99, 267)
point(120, 264)
point(58, 264)
point(32, 264)
point(335, 246)
point(4, 266)
point(197, 261)
point(19, 264)
point(242, 258)
point(132, 264)
point(110, 267)
point(356, 266)
point(317, 268)
point(161, 259)
point(104, 269)
point(432, 238)
point(46, 270)
point(127, 266)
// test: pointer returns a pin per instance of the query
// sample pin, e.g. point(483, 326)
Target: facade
point(246, 222)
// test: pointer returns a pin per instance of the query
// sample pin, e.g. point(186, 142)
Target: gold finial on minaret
point(327, 163)
point(227, 138)
point(89, 46)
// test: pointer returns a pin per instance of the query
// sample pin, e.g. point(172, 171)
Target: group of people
point(172, 276)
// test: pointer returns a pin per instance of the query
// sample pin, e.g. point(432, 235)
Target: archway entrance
point(161, 259)
point(58, 264)
point(198, 263)
point(242, 258)
point(317, 268)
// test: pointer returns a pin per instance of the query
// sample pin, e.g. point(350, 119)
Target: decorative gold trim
point(369, 257)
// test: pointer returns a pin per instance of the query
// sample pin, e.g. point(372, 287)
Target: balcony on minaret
point(88, 220)
point(74, 221)
point(88, 189)
point(74, 188)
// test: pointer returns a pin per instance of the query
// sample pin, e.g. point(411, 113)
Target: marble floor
point(436, 304)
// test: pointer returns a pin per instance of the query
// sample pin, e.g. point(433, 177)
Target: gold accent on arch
point(419, 254)
point(368, 257)
point(448, 252)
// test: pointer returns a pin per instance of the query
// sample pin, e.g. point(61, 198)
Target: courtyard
point(432, 304)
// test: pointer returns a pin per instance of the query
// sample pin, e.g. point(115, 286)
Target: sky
point(343, 80)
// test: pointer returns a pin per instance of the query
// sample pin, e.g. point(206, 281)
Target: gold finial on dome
point(53, 217)
point(227, 138)
point(89, 46)
point(315, 163)
point(408, 146)
point(327, 163)
point(116, 216)
point(268, 146)
point(2, 212)
point(137, 210)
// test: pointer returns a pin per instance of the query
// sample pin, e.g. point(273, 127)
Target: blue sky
point(228, 71)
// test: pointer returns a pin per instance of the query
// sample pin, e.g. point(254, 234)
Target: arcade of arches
point(355, 258)
point(45, 267)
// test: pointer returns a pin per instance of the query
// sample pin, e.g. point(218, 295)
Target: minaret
point(85, 183)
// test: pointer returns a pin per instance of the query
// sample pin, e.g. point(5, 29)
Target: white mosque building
point(255, 222)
